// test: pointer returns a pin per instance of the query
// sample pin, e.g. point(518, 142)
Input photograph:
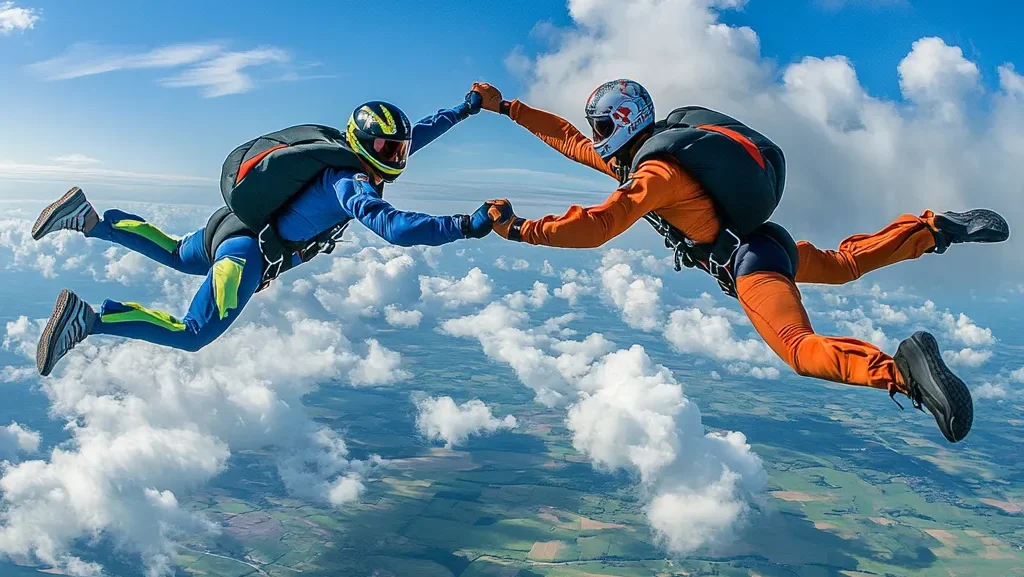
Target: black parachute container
point(741, 169)
point(262, 175)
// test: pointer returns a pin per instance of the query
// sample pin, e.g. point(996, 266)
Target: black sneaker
point(979, 225)
point(70, 212)
point(930, 383)
point(72, 320)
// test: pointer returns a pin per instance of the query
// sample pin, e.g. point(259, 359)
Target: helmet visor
point(392, 153)
point(602, 127)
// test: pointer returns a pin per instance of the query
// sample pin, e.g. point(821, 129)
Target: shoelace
point(912, 393)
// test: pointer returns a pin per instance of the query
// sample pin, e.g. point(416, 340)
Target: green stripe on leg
point(149, 232)
point(141, 313)
point(227, 276)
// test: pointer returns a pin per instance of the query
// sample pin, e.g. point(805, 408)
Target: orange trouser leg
point(773, 303)
point(908, 237)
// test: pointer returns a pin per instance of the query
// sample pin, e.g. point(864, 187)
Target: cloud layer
point(855, 160)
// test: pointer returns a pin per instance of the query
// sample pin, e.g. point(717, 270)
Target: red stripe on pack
point(752, 149)
point(248, 164)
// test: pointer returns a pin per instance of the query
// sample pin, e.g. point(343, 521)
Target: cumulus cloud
point(637, 296)
point(474, 288)
point(693, 331)
point(990, 391)
point(15, 440)
point(441, 419)
point(967, 357)
point(536, 298)
point(625, 412)
point(959, 327)
point(1018, 375)
point(138, 444)
point(403, 319)
point(853, 149)
point(14, 18)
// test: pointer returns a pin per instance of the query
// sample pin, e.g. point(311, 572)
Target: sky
point(882, 107)
point(143, 102)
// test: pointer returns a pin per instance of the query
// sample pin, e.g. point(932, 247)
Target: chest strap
point(715, 258)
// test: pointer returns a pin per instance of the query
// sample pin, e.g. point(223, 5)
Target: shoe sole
point(921, 354)
point(54, 327)
point(979, 225)
point(57, 210)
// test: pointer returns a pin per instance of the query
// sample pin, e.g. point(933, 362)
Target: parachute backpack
point(262, 176)
point(742, 171)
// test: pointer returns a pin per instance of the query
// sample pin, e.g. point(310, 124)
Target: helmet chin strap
point(624, 157)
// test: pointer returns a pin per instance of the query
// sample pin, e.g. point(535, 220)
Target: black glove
point(474, 100)
point(477, 225)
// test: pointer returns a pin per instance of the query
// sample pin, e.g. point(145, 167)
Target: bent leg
point(772, 301)
point(231, 282)
point(908, 237)
point(187, 255)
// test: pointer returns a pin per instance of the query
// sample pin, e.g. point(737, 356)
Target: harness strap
point(715, 258)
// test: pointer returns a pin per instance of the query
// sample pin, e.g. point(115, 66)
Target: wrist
point(515, 230)
point(505, 107)
point(465, 224)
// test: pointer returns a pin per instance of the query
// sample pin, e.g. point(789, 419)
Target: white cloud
point(990, 391)
point(693, 331)
point(75, 159)
point(89, 174)
point(627, 413)
point(744, 369)
point(572, 291)
point(226, 74)
point(15, 439)
point(474, 288)
point(14, 18)
point(937, 74)
point(959, 327)
point(1018, 375)
point(865, 330)
point(536, 298)
point(137, 445)
point(403, 319)
point(380, 367)
point(966, 357)
point(854, 148)
point(210, 67)
point(636, 296)
point(547, 270)
point(885, 314)
point(441, 419)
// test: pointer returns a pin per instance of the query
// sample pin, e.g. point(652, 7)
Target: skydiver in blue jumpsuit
point(234, 273)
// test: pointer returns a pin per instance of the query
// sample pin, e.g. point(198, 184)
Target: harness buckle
point(273, 265)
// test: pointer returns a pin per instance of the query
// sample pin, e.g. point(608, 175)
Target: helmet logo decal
point(621, 115)
point(388, 127)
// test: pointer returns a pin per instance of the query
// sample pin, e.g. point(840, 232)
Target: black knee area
point(765, 250)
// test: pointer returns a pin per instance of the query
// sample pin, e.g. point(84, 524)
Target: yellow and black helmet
point(381, 134)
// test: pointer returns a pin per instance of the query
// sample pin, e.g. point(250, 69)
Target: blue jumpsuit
point(234, 273)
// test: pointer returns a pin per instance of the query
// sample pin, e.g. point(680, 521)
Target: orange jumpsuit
point(770, 299)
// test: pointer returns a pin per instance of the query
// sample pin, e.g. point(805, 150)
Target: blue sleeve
point(398, 227)
point(432, 127)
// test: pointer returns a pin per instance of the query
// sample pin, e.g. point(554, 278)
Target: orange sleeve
point(656, 184)
point(560, 134)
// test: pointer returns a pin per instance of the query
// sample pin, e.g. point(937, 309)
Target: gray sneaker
point(71, 212)
point(978, 225)
point(930, 383)
point(71, 322)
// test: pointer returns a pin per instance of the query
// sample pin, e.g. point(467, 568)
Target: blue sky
point(418, 56)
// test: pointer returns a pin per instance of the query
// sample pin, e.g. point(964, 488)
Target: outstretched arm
point(655, 185)
point(560, 134)
point(432, 127)
point(398, 227)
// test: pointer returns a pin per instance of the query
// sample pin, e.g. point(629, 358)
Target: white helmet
point(617, 111)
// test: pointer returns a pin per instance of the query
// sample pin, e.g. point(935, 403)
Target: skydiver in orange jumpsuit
point(709, 183)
